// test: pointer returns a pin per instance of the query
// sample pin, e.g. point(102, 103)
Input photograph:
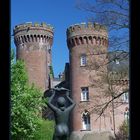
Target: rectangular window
point(84, 94)
point(83, 60)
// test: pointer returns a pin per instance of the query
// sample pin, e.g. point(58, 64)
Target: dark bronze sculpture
point(61, 113)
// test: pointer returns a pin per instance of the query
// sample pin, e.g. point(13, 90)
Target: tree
point(26, 102)
point(112, 13)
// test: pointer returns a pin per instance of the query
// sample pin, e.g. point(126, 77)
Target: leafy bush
point(26, 102)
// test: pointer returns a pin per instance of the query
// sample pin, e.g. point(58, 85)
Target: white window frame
point(125, 97)
point(84, 94)
point(83, 60)
point(86, 121)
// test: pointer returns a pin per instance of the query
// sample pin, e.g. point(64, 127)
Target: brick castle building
point(33, 45)
point(88, 54)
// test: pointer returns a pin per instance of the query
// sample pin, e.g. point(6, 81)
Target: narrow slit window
point(83, 60)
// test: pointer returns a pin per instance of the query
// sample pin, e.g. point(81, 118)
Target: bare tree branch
point(107, 103)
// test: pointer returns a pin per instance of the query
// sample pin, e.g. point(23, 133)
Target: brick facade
point(90, 40)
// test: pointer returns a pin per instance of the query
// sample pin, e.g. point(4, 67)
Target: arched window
point(35, 38)
point(38, 38)
point(90, 40)
point(22, 39)
point(77, 41)
point(86, 120)
point(81, 40)
point(85, 40)
point(32, 39)
point(94, 40)
point(73, 42)
point(25, 39)
point(28, 38)
point(41, 38)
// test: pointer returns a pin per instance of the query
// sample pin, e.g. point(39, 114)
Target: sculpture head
point(61, 101)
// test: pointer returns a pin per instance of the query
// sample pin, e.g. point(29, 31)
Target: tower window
point(86, 120)
point(83, 60)
point(84, 94)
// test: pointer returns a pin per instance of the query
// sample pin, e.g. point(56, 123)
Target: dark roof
point(64, 84)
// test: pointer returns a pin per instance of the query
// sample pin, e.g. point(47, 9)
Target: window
point(86, 120)
point(83, 60)
point(126, 114)
point(117, 61)
point(84, 94)
point(125, 97)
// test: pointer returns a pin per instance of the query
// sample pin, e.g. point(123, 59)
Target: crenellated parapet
point(35, 26)
point(33, 33)
point(90, 33)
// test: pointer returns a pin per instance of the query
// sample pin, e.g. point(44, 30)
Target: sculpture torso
point(61, 116)
point(61, 113)
point(61, 119)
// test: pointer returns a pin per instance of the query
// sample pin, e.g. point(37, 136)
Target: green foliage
point(123, 133)
point(45, 132)
point(26, 102)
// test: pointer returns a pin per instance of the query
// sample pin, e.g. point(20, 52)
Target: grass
point(45, 132)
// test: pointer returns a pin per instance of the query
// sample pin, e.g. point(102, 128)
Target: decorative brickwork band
point(33, 38)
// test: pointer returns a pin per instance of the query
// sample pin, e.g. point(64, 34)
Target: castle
point(88, 51)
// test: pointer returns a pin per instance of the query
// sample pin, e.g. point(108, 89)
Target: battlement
point(83, 28)
point(87, 34)
point(30, 25)
point(33, 33)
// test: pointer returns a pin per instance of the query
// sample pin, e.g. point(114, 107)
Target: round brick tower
point(33, 45)
point(87, 44)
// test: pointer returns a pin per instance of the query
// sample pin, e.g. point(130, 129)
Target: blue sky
point(59, 13)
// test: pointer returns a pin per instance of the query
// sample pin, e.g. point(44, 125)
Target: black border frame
point(5, 32)
point(134, 68)
point(5, 69)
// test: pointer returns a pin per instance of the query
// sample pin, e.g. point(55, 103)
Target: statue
point(61, 113)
